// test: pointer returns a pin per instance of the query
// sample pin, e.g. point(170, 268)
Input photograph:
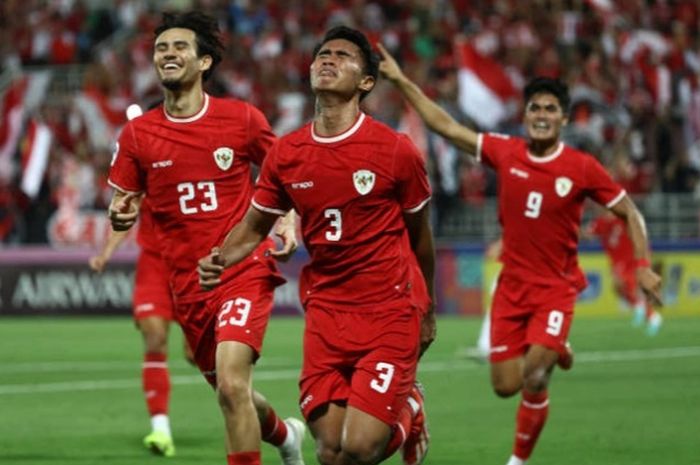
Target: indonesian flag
point(11, 125)
point(485, 89)
point(35, 157)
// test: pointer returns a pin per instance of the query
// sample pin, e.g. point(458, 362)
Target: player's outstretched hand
point(123, 211)
point(210, 269)
point(97, 263)
point(388, 67)
point(650, 282)
point(428, 330)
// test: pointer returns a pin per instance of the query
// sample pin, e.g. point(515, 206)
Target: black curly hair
point(548, 85)
point(206, 30)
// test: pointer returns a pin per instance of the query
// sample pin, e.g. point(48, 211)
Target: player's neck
point(333, 118)
point(185, 102)
point(542, 148)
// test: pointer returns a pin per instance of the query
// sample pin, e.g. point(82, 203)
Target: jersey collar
point(548, 158)
point(189, 119)
point(341, 136)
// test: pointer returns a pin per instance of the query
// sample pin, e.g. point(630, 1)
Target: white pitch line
point(262, 375)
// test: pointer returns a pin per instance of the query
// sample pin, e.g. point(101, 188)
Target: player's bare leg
point(532, 373)
point(156, 383)
point(348, 436)
point(234, 369)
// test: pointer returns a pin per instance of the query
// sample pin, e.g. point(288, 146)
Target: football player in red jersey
point(191, 157)
point(612, 233)
point(361, 191)
point(542, 187)
point(153, 312)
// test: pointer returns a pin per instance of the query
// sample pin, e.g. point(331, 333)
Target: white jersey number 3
point(336, 223)
point(385, 372)
point(189, 190)
point(533, 204)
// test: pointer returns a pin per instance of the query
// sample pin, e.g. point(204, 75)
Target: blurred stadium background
point(69, 69)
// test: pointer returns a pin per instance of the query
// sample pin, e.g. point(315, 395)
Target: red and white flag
point(35, 157)
point(12, 108)
point(485, 89)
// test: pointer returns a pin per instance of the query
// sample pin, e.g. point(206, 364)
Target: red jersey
point(196, 175)
point(540, 206)
point(350, 192)
point(612, 232)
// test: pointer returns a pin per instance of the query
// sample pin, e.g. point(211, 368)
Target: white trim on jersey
point(120, 189)
point(479, 144)
point(418, 207)
point(189, 119)
point(548, 158)
point(617, 199)
point(274, 211)
point(339, 137)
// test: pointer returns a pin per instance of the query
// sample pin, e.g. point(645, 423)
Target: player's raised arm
point(649, 281)
point(435, 118)
point(240, 242)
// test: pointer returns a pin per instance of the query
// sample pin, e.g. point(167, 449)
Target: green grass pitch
point(70, 394)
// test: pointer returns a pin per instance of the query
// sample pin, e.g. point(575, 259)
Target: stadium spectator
point(191, 158)
point(362, 192)
point(152, 306)
point(544, 184)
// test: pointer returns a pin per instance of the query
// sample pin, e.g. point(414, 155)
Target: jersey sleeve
point(125, 173)
point(414, 188)
point(261, 136)
point(600, 185)
point(270, 196)
point(492, 147)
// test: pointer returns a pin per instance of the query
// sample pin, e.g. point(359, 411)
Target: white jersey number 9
point(188, 191)
point(533, 205)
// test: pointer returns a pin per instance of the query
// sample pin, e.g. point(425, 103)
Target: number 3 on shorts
point(555, 322)
point(385, 374)
point(240, 317)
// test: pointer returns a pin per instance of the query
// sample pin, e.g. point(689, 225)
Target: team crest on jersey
point(364, 181)
point(223, 156)
point(563, 186)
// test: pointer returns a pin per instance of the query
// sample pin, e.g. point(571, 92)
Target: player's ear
point(205, 62)
point(367, 83)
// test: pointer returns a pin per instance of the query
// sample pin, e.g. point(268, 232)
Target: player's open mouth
point(170, 67)
point(327, 72)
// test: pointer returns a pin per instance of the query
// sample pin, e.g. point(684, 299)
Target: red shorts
point(365, 359)
point(523, 314)
point(152, 296)
point(237, 311)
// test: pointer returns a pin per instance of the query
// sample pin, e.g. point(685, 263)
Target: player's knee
point(506, 386)
point(232, 392)
point(363, 450)
point(536, 380)
point(326, 454)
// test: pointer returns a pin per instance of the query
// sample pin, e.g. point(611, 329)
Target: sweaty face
point(338, 68)
point(175, 58)
point(544, 118)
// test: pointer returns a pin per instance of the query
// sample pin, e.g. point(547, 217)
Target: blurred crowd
point(633, 67)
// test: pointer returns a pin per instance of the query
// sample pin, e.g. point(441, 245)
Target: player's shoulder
point(297, 137)
point(231, 106)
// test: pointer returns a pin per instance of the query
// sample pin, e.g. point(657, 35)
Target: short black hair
point(548, 85)
point(359, 39)
point(206, 30)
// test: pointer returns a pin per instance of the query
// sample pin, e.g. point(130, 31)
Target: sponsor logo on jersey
point(162, 164)
point(223, 157)
point(145, 308)
point(562, 186)
point(364, 181)
point(519, 173)
point(306, 401)
point(303, 185)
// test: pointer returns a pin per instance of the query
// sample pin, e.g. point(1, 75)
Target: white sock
point(289, 440)
point(484, 342)
point(160, 423)
point(516, 461)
